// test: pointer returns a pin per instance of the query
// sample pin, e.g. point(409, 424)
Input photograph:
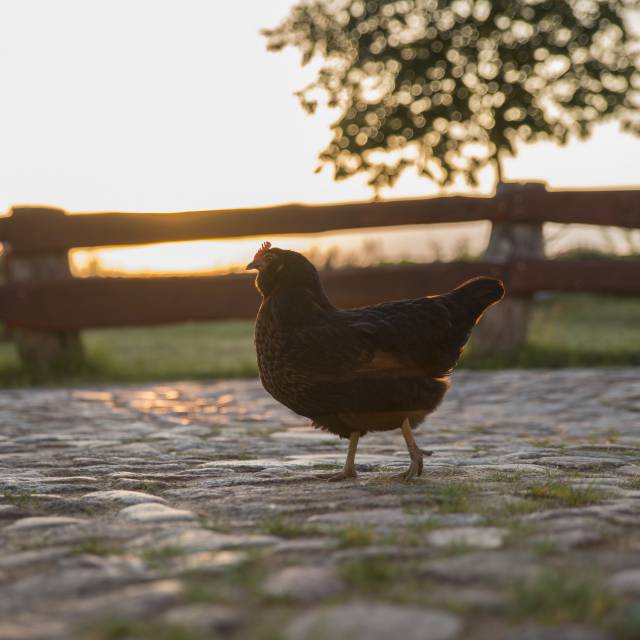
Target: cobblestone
point(196, 507)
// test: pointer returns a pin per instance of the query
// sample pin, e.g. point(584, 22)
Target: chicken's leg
point(415, 453)
point(348, 471)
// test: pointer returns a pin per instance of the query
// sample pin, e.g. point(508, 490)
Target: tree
point(452, 86)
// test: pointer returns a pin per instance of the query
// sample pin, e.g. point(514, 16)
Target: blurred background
point(159, 106)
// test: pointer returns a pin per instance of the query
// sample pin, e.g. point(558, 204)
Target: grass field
point(567, 330)
point(575, 331)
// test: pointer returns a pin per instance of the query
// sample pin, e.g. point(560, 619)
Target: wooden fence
point(45, 307)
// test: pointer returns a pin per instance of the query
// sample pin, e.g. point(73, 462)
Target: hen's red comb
point(262, 250)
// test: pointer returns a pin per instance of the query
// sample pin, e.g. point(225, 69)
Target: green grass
point(355, 537)
point(283, 528)
point(137, 630)
point(188, 351)
point(19, 497)
point(162, 557)
point(96, 547)
point(512, 477)
point(368, 574)
point(540, 497)
point(574, 331)
point(448, 496)
point(558, 598)
point(633, 484)
point(505, 513)
point(626, 625)
point(566, 330)
point(561, 494)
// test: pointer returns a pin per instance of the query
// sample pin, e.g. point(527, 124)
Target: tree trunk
point(504, 326)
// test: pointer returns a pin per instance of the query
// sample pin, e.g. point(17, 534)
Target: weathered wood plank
point(38, 230)
point(614, 277)
point(111, 302)
point(618, 208)
point(34, 230)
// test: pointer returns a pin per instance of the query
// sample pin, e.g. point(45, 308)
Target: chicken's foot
point(415, 453)
point(348, 470)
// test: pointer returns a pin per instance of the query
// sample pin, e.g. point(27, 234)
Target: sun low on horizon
point(163, 106)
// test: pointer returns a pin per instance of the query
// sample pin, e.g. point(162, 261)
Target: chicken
point(352, 371)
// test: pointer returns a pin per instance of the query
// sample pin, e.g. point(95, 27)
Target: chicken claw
point(349, 470)
point(341, 475)
point(415, 453)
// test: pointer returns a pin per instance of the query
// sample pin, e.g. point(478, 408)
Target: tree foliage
point(451, 86)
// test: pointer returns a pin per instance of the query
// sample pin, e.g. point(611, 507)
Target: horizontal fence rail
point(46, 308)
point(37, 230)
point(109, 302)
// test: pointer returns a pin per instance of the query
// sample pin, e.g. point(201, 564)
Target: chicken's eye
point(273, 263)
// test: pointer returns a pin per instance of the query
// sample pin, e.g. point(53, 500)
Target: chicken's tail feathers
point(475, 296)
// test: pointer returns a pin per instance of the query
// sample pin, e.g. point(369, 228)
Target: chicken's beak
point(254, 264)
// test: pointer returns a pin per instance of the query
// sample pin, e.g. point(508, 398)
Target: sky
point(173, 105)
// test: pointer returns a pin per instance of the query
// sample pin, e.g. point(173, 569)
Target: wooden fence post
point(504, 327)
point(42, 350)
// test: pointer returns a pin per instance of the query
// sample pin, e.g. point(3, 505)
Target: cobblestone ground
point(190, 511)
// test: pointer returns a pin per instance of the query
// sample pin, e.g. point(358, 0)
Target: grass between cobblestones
point(558, 598)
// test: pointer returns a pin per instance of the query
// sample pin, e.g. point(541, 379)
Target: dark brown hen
point(357, 370)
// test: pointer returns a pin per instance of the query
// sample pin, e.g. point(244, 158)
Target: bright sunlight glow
point(158, 105)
